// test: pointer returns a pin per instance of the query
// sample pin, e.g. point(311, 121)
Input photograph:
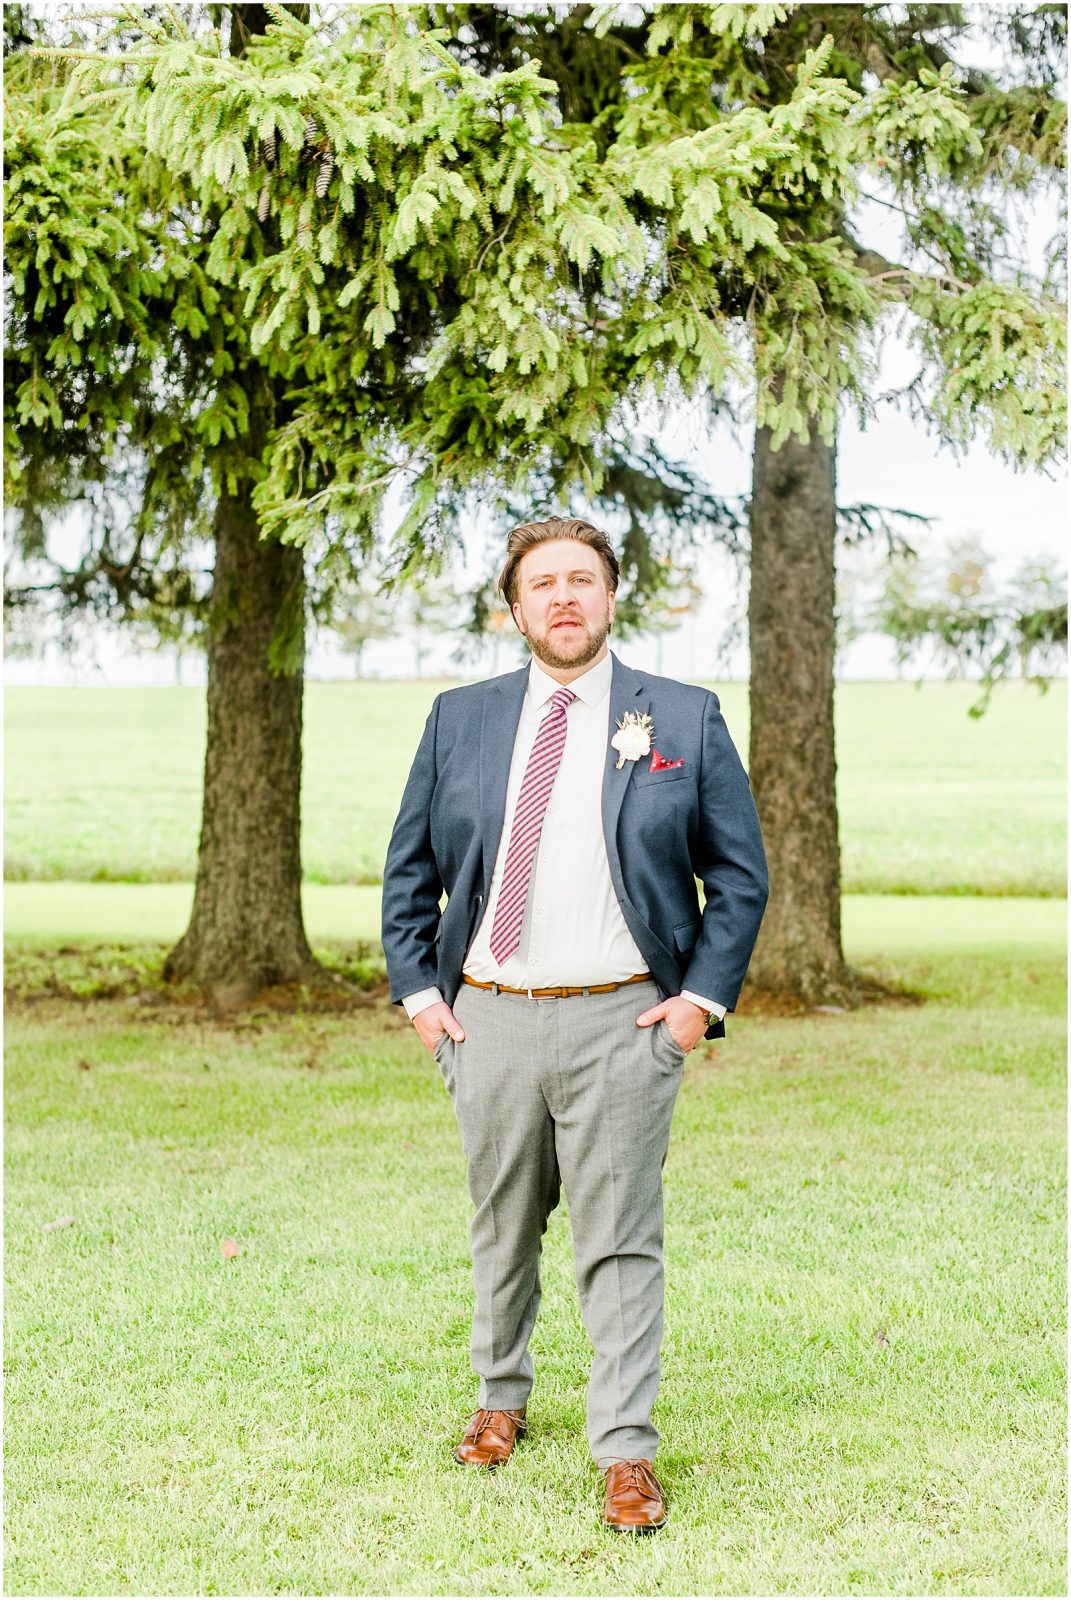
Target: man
point(567, 810)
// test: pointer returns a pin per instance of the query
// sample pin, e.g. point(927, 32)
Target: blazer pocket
point(686, 936)
point(643, 780)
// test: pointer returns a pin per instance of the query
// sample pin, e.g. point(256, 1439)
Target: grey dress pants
point(567, 1092)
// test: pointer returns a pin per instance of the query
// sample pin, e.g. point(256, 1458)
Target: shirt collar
point(592, 686)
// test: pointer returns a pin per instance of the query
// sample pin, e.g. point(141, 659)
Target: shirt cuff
point(420, 1001)
point(706, 1005)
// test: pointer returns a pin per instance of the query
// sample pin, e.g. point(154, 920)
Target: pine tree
point(481, 284)
point(125, 336)
point(275, 264)
point(941, 139)
point(991, 343)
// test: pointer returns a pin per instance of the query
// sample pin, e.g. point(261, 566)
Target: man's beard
point(591, 642)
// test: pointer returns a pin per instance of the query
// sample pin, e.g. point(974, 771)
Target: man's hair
point(530, 534)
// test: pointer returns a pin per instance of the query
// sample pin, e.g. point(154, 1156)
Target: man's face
point(563, 606)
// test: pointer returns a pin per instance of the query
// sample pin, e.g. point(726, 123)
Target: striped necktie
point(539, 777)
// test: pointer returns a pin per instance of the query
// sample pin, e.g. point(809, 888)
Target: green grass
point(106, 783)
point(58, 913)
point(863, 1367)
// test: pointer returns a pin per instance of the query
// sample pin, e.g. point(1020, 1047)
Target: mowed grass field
point(105, 784)
point(864, 1364)
point(863, 1370)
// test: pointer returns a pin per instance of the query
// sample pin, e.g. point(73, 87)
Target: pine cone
point(262, 204)
point(310, 129)
point(303, 235)
point(268, 146)
point(324, 176)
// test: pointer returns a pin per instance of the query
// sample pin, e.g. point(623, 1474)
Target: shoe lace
point(639, 1476)
point(481, 1421)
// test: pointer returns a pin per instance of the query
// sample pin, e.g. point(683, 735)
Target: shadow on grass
point(112, 971)
point(106, 970)
point(872, 991)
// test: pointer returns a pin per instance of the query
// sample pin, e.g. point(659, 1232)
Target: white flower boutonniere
point(633, 738)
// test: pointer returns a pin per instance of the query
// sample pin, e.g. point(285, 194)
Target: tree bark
point(792, 757)
point(247, 931)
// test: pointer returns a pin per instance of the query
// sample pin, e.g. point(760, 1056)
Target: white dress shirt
point(573, 933)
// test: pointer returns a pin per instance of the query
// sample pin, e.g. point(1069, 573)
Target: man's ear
point(515, 610)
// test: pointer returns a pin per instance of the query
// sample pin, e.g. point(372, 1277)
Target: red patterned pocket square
point(660, 764)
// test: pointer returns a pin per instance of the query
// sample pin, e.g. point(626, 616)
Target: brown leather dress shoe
point(635, 1500)
point(490, 1438)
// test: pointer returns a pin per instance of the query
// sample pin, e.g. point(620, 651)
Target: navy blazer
point(663, 830)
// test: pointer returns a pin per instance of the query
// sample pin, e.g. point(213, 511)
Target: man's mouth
point(566, 622)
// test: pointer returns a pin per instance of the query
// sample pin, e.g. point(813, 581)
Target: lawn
point(43, 914)
point(863, 1382)
point(106, 783)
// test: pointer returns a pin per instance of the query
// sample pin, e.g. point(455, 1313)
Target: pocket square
point(660, 764)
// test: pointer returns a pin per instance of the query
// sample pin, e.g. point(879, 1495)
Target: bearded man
point(567, 809)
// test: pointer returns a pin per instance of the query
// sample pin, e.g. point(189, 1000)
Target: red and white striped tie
point(539, 777)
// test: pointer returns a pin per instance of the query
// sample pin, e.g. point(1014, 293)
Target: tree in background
point(899, 606)
point(160, 378)
point(1038, 604)
point(940, 140)
point(951, 614)
point(362, 613)
point(130, 375)
point(958, 278)
point(520, 296)
point(677, 597)
point(314, 301)
point(429, 606)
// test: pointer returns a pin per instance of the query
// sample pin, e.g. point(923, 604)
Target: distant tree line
point(951, 615)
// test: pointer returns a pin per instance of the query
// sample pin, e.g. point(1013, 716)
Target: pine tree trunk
point(792, 759)
point(246, 931)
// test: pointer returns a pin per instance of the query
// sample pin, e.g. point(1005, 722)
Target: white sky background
point(893, 463)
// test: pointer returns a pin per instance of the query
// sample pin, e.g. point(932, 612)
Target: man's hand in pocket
point(433, 1021)
point(685, 1021)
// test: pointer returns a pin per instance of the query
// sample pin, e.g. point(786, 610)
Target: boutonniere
point(633, 738)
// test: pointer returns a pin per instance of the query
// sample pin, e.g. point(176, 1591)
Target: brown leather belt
point(558, 994)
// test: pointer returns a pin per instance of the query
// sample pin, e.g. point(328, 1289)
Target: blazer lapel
point(625, 688)
point(498, 731)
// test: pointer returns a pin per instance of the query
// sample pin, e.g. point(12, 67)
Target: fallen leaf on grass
point(881, 1337)
point(60, 1222)
point(84, 1066)
point(229, 1249)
